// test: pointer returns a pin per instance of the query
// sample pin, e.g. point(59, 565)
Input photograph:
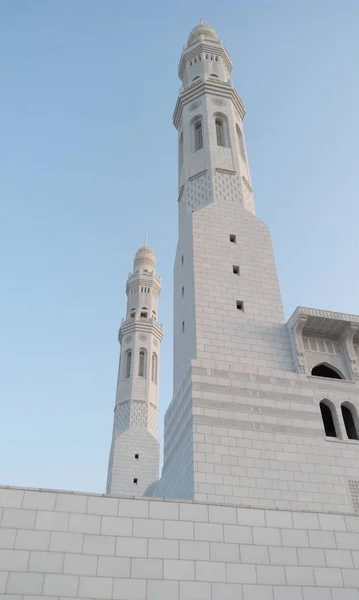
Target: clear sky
point(88, 164)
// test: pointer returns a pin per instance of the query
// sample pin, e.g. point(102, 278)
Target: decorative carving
point(128, 339)
point(143, 338)
point(218, 101)
point(155, 343)
point(194, 105)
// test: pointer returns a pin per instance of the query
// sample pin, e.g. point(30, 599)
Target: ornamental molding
point(246, 183)
point(195, 105)
point(203, 48)
point(211, 88)
point(219, 101)
point(180, 194)
point(227, 171)
point(197, 175)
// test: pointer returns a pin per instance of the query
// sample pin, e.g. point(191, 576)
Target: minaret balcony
point(143, 324)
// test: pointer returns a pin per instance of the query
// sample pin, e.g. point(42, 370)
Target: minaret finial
point(201, 21)
point(145, 239)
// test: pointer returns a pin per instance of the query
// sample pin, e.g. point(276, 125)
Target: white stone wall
point(60, 545)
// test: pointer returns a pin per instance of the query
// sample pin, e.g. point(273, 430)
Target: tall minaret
point(228, 314)
point(134, 455)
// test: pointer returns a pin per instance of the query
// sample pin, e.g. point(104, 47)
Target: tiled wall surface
point(61, 545)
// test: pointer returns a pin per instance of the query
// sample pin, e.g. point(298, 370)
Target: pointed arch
point(142, 362)
point(329, 422)
point(222, 129)
point(154, 367)
point(326, 370)
point(242, 149)
point(351, 421)
point(132, 313)
point(128, 361)
point(144, 312)
point(197, 133)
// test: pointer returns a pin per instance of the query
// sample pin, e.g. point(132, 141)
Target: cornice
point(142, 325)
point(221, 90)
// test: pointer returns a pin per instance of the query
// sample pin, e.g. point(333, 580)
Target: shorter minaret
point(134, 455)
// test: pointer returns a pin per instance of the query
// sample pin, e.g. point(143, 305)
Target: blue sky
point(88, 160)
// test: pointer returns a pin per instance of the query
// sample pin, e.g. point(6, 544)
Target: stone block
point(283, 556)
point(316, 593)
point(146, 568)
point(95, 587)
point(210, 571)
point(223, 514)
point(164, 510)
point(7, 538)
point(85, 523)
point(345, 594)
point(80, 564)
point(158, 548)
point(300, 575)
point(25, 583)
point(39, 500)
point(267, 536)
point(193, 512)
point(322, 539)
point(328, 577)
point(269, 574)
point(279, 518)
point(295, 538)
point(119, 526)
point(208, 532)
point(224, 552)
point(18, 518)
point(131, 547)
point(241, 573)
point(99, 544)
point(226, 591)
point(179, 530)
point(3, 581)
point(129, 589)
point(71, 503)
point(61, 585)
point(351, 578)
point(306, 520)
point(239, 534)
point(332, 522)
point(347, 541)
point(100, 505)
point(14, 560)
point(284, 592)
point(162, 590)
point(195, 590)
point(339, 558)
point(11, 498)
point(150, 528)
point(257, 592)
point(256, 555)
point(311, 557)
point(180, 570)
point(113, 566)
point(251, 516)
point(62, 541)
point(52, 520)
point(46, 562)
point(133, 508)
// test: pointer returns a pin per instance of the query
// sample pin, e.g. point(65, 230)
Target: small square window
point(182, 260)
point(182, 291)
point(182, 326)
point(233, 238)
point(236, 269)
point(137, 456)
point(135, 480)
point(240, 305)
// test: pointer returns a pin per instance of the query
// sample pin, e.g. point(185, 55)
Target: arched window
point(128, 364)
point(195, 78)
point(242, 149)
point(328, 421)
point(144, 312)
point(132, 313)
point(198, 135)
point(142, 363)
point(154, 367)
point(324, 370)
point(349, 422)
point(221, 140)
point(180, 151)
point(214, 75)
point(154, 315)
